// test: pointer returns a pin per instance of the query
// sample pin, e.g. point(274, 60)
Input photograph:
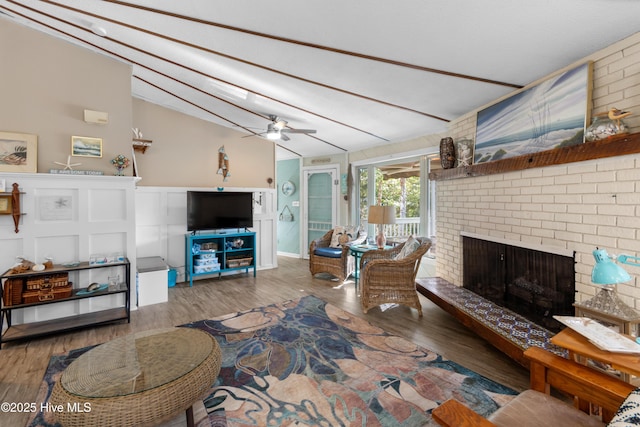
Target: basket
point(12, 292)
point(239, 262)
point(48, 281)
point(47, 294)
point(208, 246)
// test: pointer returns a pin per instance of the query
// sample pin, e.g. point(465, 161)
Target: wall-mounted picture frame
point(85, 146)
point(551, 114)
point(5, 204)
point(18, 152)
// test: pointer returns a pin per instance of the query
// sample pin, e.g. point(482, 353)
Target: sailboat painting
point(550, 115)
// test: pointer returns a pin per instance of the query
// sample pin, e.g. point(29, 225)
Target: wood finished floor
point(22, 364)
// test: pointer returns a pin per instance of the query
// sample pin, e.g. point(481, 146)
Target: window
point(403, 184)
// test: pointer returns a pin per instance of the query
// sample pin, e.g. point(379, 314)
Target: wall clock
point(288, 188)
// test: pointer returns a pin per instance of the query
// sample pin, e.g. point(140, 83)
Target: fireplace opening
point(535, 284)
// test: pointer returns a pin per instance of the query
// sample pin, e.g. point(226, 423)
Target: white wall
point(161, 225)
point(100, 219)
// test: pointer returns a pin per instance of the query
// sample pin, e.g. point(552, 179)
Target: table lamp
point(381, 215)
point(608, 274)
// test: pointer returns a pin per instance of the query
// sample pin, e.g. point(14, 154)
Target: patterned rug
point(307, 362)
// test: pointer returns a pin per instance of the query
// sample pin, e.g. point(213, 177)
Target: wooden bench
point(506, 330)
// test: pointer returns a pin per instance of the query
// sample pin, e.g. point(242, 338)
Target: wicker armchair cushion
point(629, 412)
point(329, 252)
point(343, 235)
point(410, 246)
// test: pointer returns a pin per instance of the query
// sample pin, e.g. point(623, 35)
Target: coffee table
point(142, 379)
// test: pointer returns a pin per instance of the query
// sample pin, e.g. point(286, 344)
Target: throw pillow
point(629, 412)
point(342, 235)
point(409, 247)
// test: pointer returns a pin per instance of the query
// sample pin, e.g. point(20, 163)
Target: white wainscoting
point(161, 224)
point(70, 218)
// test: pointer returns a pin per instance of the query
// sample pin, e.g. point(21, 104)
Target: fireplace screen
point(534, 284)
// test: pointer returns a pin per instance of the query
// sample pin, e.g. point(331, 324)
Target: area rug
point(306, 362)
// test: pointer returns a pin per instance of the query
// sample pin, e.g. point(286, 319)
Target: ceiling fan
point(278, 129)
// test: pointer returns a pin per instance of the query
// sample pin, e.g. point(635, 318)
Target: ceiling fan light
point(273, 135)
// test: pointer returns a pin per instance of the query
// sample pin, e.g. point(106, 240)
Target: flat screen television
point(210, 210)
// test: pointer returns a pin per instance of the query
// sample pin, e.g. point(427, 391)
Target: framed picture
point(464, 152)
point(18, 152)
point(552, 114)
point(5, 204)
point(85, 146)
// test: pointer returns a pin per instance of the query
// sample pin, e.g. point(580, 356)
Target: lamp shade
point(382, 215)
point(606, 272)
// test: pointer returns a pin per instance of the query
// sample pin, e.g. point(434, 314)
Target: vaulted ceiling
point(360, 73)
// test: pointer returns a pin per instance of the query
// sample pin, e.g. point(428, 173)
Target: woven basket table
point(142, 379)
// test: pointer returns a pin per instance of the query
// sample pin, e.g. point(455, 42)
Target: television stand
point(217, 253)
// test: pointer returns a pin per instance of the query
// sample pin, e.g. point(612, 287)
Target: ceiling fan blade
point(299, 130)
point(284, 137)
point(255, 134)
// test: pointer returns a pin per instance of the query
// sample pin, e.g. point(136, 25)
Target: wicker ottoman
point(138, 380)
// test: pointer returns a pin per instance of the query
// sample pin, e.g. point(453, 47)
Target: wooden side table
point(581, 349)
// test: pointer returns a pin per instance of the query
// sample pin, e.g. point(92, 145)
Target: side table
point(357, 251)
point(580, 348)
point(138, 380)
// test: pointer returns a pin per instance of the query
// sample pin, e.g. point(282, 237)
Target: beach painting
point(86, 147)
point(549, 115)
point(18, 152)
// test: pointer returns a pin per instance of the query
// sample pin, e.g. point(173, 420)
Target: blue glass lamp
point(608, 274)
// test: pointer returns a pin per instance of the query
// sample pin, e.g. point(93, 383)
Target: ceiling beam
point(313, 45)
point(244, 61)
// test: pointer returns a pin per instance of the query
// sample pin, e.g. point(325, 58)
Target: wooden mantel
point(619, 145)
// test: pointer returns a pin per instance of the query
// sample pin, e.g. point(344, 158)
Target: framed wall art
point(5, 204)
point(552, 114)
point(18, 152)
point(85, 146)
point(464, 152)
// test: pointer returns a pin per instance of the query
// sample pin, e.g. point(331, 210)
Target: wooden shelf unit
point(618, 145)
point(35, 329)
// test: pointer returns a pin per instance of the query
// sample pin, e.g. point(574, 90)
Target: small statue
point(617, 115)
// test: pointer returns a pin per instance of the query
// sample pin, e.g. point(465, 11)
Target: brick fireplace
point(534, 283)
point(575, 206)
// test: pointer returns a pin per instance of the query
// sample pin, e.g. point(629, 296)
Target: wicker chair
point(338, 263)
point(384, 279)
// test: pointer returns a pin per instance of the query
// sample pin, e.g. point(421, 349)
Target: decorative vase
point(120, 162)
point(447, 153)
point(603, 127)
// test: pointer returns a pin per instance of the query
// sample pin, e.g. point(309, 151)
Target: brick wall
point(577, 206)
